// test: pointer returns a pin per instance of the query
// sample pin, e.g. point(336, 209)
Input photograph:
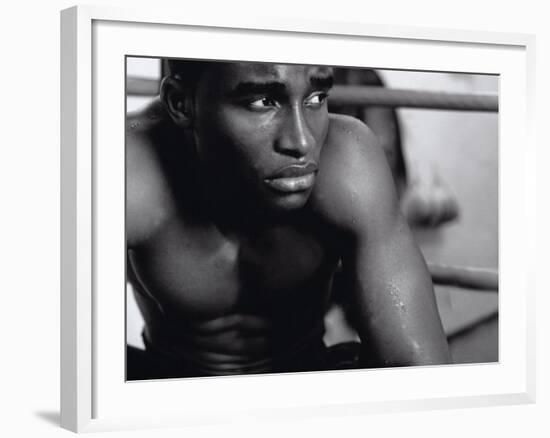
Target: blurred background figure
point(425, 199)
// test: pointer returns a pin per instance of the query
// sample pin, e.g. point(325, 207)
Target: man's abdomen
point(226, 309)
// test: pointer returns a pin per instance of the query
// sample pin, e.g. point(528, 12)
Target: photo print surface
point(298, 218)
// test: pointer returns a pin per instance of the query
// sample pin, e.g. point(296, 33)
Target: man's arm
point(148, 197)
point(390, 290)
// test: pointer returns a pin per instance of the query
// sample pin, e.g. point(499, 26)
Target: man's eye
point(317, 99)
point(264, 102)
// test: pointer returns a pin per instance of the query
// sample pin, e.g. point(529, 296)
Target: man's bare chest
point(198, 270)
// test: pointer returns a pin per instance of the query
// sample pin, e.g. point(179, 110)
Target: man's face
point(260, 128)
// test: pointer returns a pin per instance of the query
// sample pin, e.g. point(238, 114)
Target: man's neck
point(234, 210)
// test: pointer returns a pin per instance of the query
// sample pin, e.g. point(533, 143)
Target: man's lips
point(293, 178)
point(295, 170)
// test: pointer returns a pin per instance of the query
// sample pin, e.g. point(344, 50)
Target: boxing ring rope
point(360, 95)
point(141, 86)
point(465, 277)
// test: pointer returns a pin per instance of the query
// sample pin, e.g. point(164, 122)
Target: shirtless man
point(244, 196)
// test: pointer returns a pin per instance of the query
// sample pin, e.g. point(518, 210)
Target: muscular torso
point(245, 294)
point(226, 301)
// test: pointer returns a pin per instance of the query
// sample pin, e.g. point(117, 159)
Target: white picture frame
point(94, 41)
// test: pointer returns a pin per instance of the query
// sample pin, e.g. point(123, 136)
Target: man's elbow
point(414, 355)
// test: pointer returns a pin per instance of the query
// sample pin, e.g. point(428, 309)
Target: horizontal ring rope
point(141, 86)
point(483, 280)
point(456, 332)
point(359, 95)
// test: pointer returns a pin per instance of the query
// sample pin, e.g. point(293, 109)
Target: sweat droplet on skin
point(394, 293)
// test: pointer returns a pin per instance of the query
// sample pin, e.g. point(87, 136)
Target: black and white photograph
point(285, 218)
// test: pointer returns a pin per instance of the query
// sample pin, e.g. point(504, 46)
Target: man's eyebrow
point(247, 88)
point(321, 82)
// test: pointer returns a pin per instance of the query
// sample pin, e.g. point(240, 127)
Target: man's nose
point(296, 138)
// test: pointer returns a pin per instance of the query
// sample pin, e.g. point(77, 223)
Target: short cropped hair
point(187, 71)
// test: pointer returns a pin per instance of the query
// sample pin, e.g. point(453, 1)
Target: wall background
point(29, 219)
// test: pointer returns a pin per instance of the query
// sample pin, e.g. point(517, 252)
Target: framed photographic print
point(233, 232)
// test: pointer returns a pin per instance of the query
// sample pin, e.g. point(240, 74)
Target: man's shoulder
point(354, 177)
point(349, 135)
point(142, 123)
point(148, 200)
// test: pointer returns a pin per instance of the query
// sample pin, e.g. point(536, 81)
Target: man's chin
point(282, 202)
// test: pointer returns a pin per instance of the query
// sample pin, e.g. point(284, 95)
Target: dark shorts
point(154, 364)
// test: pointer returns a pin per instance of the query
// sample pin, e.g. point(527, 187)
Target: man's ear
point(177, 101)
